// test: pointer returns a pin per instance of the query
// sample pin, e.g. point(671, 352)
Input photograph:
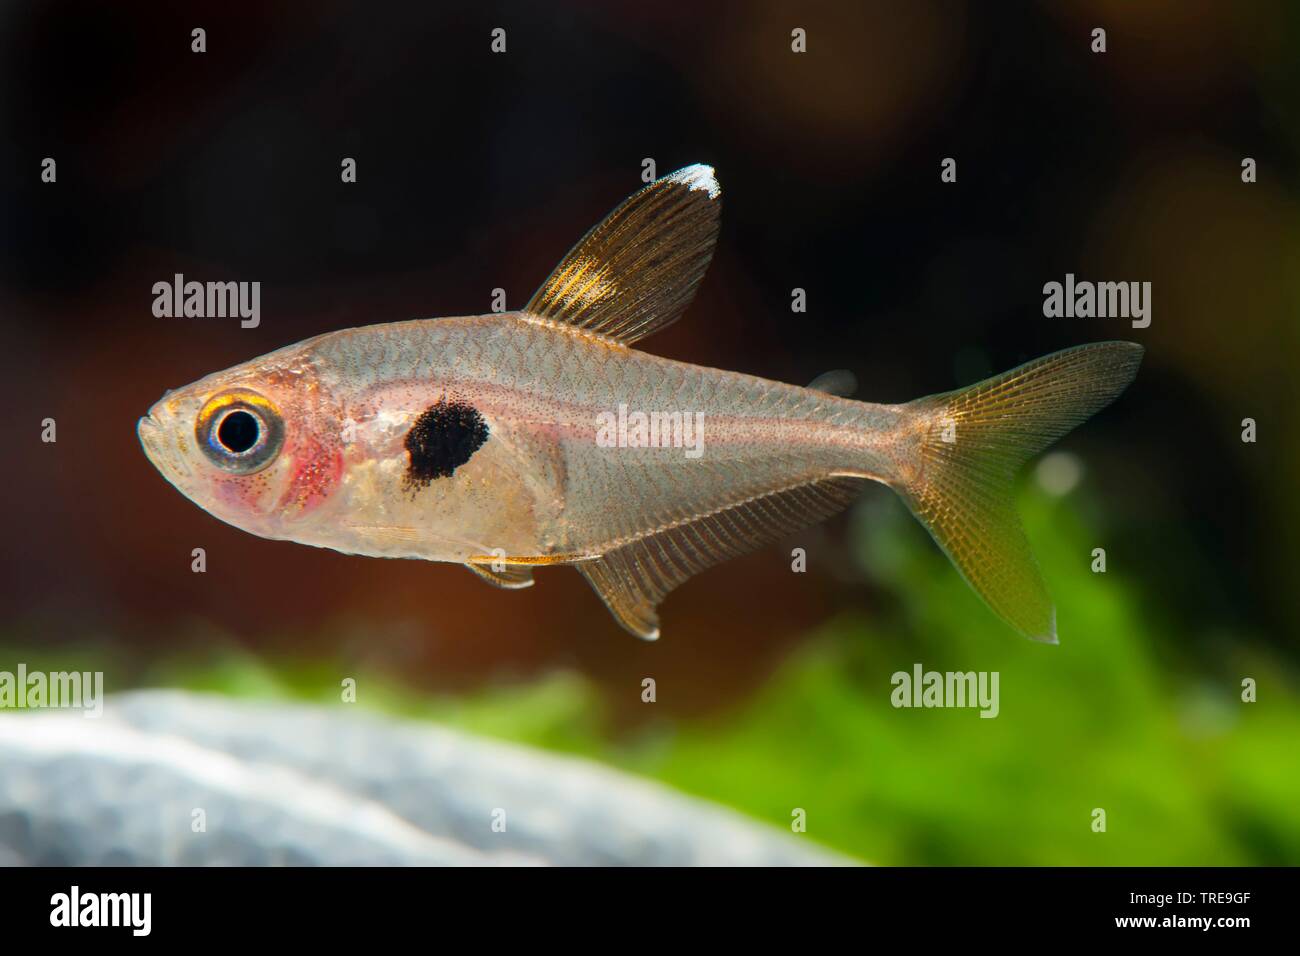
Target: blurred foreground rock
point(303, 785)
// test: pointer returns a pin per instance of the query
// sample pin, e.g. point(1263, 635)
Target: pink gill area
point(318, 471)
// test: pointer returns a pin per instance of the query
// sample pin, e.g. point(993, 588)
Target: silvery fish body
point(506, 441)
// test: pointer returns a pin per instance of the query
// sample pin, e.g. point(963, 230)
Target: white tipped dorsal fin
point(697, 176)
point(637, 271)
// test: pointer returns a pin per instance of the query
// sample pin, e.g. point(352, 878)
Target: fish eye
point(240, 431)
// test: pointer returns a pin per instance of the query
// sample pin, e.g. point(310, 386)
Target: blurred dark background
point(478, 170)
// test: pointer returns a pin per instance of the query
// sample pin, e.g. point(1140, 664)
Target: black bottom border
point(334, 904)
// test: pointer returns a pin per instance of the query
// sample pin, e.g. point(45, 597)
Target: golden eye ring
point(240, 431)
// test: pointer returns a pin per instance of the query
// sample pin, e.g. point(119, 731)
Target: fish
point(511, 441)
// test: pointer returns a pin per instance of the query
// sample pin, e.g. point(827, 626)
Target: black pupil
point(238, 432)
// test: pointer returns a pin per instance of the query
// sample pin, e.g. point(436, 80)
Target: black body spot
point(442, 439)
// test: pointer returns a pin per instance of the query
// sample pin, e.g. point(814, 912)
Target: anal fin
point(509, 576)
point(633, 578)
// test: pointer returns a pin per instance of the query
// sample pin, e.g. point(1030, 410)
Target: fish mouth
point(152, 437)
point(148, 432)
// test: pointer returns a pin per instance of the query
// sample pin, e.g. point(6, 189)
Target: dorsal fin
point(637, 271)
point(838, 381)
point(635, 577)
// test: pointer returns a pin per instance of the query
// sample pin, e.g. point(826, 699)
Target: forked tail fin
point(970, 445)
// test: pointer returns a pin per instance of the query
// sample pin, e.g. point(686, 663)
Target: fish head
point(250, 445)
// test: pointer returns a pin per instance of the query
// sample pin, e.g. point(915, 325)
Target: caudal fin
point(970, 445)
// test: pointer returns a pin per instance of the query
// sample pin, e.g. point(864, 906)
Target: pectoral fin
point(510, 576)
